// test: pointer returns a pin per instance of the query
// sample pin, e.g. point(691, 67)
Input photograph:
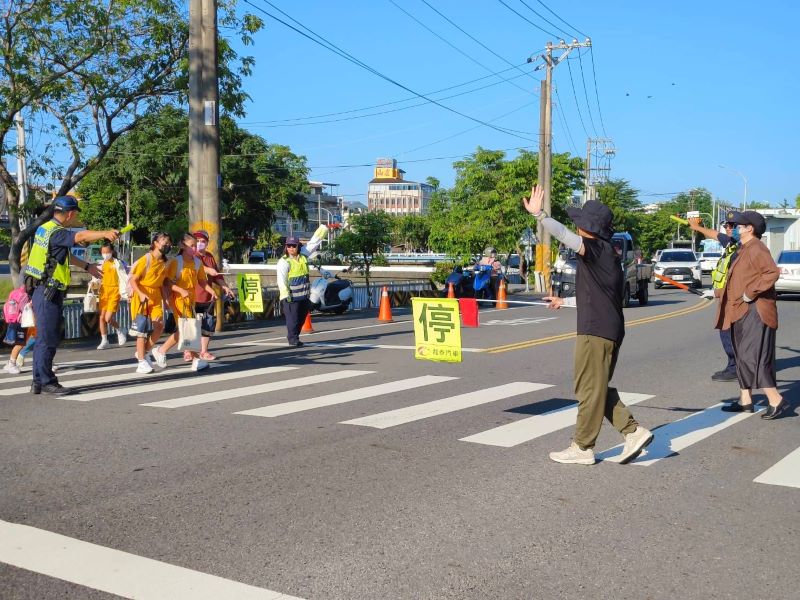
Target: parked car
point(257, 257)
point(679, 265)
point(789, 279)
point(708, 260)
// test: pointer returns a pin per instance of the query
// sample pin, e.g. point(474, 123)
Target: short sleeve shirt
point(189, 277)
point(150, 278)
point(599, 287)
point(61, 242)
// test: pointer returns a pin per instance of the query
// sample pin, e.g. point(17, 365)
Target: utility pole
point(204, 178)
point(22, 185)
point(546, 150)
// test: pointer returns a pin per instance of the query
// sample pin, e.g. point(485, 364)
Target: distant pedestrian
point(601, 328)
point(294, 283)
point(15, 333)
point(110, 295)
point(749, 309)
point(204, 300)
point(47, 277)
point(147, 278)
point(719, 276)
point(185, 273)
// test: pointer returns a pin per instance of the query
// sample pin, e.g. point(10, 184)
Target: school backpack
point(128, 287)
point(179, 259)
point(12, 309)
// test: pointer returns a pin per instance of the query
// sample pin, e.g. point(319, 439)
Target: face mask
point(201, 246)
point(107, 256)
point(735, 233)
point(166, 249)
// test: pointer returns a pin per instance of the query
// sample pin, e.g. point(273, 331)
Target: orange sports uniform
point(109, 287)
point(149, 279)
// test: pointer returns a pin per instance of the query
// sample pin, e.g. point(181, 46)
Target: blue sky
point(683, 88)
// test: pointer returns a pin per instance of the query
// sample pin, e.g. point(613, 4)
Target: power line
point(333, 48)
point(524, 18)
point(586, 96)
point(562, 20)
point(563, 118)
point(596, 94)
point(575, 95)
point(541, 16)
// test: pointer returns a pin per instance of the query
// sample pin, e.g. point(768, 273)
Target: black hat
point(749, 217)
point(66, 203)
point(594, 217)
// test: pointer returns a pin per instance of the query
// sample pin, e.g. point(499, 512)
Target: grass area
point(5, 289)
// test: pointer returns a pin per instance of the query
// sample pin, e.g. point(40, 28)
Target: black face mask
point(166, 249)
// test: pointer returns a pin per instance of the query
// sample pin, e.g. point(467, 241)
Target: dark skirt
point(754, 347)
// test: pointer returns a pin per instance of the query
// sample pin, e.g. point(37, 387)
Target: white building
point(783, 229)
point(323, 207)
point(389, 192)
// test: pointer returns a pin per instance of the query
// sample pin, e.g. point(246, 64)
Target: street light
point(744, 205)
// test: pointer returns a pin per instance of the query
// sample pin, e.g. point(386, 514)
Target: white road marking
point(255, 389)
point(346, 345)
point(785, 472)
point(514, 322)
point(79, 371)
point(536, 426)
point(189, 379)
point(446, 405)
point(116, 572)
point(286, 408)
point(679, 435)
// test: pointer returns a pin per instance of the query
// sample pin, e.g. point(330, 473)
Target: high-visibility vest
point(299, 283)
point(720, 273)
point(40, 256)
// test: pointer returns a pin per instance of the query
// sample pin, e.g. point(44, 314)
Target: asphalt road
point(348, 496)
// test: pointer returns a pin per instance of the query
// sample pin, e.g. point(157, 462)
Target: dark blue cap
point(66, 203)
point(293, 239)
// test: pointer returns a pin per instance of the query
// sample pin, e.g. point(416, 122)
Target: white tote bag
point(26, 319)
point(189, 334)
point(90, 301)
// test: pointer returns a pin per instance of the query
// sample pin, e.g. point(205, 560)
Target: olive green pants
point(595, 359)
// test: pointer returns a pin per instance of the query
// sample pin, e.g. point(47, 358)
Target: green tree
point(758, 205)
point(363, 240)
point(411, 231)
point(623, 200)
point(797, 201)
point(151, 163)
point(86, 72)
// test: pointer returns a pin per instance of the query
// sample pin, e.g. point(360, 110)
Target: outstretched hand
point(555, 302)
point(535, 203)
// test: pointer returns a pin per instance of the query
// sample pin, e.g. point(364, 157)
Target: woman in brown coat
point(748, 307)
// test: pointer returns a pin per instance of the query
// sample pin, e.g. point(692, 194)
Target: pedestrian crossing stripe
point(785, 472)
point(678, 435)
point(76, 371)
point(286, 408)
point(401, 416)
point(255, 389)
point(525, 430)
point(189, 378)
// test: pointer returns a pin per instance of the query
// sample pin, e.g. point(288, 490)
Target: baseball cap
point(293, 240)
point(66, 203)
point(201, 234)
point(749, 217)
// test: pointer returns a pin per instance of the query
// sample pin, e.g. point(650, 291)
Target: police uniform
point(719, 278)
point(48, 275)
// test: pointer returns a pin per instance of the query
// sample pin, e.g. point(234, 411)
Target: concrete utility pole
point(546, 150)
point(204, 178)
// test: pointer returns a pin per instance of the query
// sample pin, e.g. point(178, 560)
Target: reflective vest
point(299, 283)
point(40, 256)
point(720, 273)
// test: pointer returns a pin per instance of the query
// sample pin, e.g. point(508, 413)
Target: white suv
point(678, 265)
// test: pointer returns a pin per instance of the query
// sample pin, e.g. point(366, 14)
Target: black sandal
point(736, 407)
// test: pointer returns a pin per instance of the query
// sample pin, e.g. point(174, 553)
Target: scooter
point(329, 293)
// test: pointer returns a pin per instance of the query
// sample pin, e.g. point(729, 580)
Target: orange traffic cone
point(451, 292)
point(307, 327)
point(501, 295)
point(385, 310)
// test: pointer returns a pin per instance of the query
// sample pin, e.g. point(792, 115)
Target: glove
point(708, 294)
point(321, 231)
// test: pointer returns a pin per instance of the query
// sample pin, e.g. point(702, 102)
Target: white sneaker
point(11, 368)
point(634, 444)
point(198, 364)
point(144, 367)
point(574, 456)
point(103, 344)
point(159, 357)
point(20, 361)
point(121, 338)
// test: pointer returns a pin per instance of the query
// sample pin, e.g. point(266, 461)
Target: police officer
point(294, 283)
point(47, 278)
point(719, 277)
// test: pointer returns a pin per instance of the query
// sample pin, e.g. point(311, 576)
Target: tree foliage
point(411, 231)
point(151, 163)
point(364, 239)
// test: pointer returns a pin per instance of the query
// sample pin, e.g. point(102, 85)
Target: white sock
point(103, 338)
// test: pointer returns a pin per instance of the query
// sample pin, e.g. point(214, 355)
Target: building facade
point(390, 192)
point(323, 207)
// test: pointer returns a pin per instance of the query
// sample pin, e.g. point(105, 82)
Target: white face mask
point(107, 256)
point(201, 246)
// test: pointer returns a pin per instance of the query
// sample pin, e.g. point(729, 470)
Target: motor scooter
point(331, 294)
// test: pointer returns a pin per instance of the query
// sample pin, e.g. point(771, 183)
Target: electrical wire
point(562, 20)
point(586, 96)
point(596, 93)
point(577, 105)
point(541, 16)
point(333, 48)
point(524, 18)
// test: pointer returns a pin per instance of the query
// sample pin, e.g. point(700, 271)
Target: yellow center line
point(566, 336)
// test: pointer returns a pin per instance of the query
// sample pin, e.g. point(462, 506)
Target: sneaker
point(199, 364)
point(121, 338)
point(20, 361)
point(159, 357)
point(187, 356)
point(724, 375)
point(103, 344)
point(54, 368)
point(144, 367)
point(56, 389)
point(574, 456)
point(11, 368)
point(634, 444)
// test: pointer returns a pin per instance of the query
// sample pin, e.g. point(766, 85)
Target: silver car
point(789, 280)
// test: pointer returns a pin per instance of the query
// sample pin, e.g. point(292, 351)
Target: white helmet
point(489, 251)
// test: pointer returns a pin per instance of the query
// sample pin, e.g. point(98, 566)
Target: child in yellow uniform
point(148, 278)
point(184, 272)
point(110, 295)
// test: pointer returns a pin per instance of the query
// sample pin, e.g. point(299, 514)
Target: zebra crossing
point(674, 438)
